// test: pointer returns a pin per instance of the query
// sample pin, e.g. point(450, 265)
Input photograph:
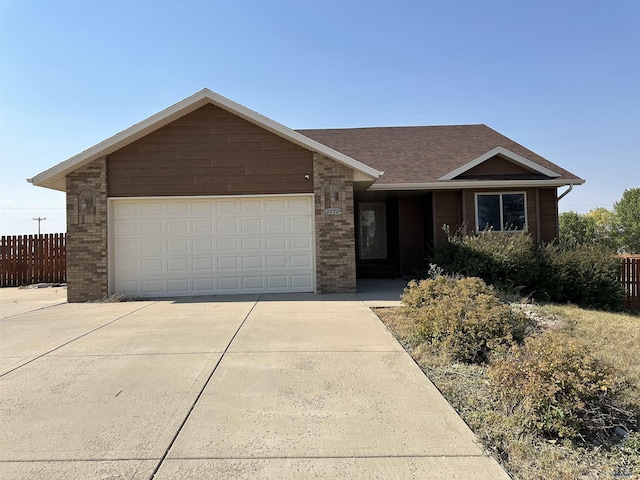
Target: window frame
point(500, 194)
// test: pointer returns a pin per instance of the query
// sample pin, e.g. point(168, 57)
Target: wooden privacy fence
point(28, 259)
point(630, 277)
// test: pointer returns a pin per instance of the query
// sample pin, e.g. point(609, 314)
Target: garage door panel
point(253, 283)
point(178, 209)
point(229, 284)
point(127, 266)
point(300, 207)
point(300, 243)
point(178, 265)
point(202, 245)
point(202, 225)
point(177, 246)
point(226, 226)
point(301, 281)
point(301, 261)
point(126, 248)
point(203, 286)
point(178, 285)
point(276, 243)
point(151, 246)
point(277, 225)
point(226, 207)
point(207, 246)
point(251, 207)
point(252, 263)
point(153, 286)
point(203, 263)
point(300, 224)
point(151, 209)
point(151, 228)
point(251, 225)
point(123, 209)
point(275, 282)
point(276, 261)
point(126, 229)
point(275, 207)
point(152, 265)
point(127, 286)
point(201, 208)
point(227, 245)
point(177, 227)
point(227, 263)
point(252, 244)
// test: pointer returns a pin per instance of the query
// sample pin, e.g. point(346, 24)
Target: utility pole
point(39, 219)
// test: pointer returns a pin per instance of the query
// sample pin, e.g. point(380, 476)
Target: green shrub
point(586, 275)
point(555, 388)
point(506, 260)
point(464, 317)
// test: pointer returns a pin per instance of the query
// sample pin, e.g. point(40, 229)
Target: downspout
point(565, 193)
point(557, 202)
point(538, 215)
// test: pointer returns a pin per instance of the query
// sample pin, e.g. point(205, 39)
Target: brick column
point(335, 230)
point(87, 277)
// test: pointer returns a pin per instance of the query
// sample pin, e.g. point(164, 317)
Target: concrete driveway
point(283, 386)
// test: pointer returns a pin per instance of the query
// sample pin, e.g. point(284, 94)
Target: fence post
point(630, 278)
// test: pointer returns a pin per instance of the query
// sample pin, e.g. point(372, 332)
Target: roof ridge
point(397, 126)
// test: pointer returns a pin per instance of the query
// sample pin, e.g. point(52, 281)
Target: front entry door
point(373, 230)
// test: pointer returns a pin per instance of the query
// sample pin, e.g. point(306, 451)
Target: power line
point(39, 219)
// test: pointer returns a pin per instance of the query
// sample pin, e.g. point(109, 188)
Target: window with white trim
point(501, 212)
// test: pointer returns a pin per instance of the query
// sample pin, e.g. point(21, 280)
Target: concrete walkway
point(273, 387)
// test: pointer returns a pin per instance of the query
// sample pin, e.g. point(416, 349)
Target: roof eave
point(463, 184)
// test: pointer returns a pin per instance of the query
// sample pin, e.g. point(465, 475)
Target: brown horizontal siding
point(202, 189)
point(206, 170)
point(246, 158)
point(411, 234)
point(446, 211)
point(499, 168)
point(209, 152)
point(548, 207)
point(211, 144)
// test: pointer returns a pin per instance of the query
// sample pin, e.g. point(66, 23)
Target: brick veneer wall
point(87, 277)
point(335, 234)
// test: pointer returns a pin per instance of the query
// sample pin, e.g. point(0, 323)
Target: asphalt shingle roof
point(422, 154)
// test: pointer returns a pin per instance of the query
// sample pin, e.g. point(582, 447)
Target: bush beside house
point(587, 275)
point(464, 317)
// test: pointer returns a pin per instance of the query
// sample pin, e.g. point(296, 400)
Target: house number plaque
point(333, 211)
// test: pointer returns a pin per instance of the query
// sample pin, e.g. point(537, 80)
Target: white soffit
point(458, 184)
point(54, 177)
point(514, 157)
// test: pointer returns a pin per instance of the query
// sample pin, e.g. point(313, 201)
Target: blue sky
point(560, 77)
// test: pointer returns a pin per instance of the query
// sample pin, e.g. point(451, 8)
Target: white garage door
point(204, 246)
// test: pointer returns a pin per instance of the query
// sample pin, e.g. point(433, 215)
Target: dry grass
point(614, 337)
point(523, 455)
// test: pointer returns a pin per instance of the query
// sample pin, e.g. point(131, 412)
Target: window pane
point(513, 211)
point(373, 233)
point(489, 212)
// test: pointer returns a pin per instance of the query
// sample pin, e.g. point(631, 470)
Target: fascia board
point(506, 153)
point(54, 176)
point(456, 185)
